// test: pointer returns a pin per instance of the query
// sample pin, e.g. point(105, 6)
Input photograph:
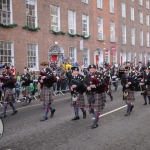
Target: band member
point(95, 93)
point(25, 81)
point(146, 80)
point(114, 78)
point(140, 68)
point(127, 81)
point(8, 85)
point(77, 90)
point(46, 79)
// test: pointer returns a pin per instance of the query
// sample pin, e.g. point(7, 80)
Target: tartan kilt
point(9, 96)
point(79, 102)
point(96, 101)
point(26, 91)
point(130, 98)
point(46, 95)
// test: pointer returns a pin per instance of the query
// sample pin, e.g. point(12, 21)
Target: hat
point(147, 68)
point(127, 68)
point(26, 68)
point(75, 68)
point(92, 66)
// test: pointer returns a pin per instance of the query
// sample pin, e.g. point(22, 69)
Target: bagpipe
point(5, 78)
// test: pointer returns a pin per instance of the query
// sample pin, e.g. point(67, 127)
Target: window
point(32, 50)
point(31, 13)
point(141, 2)
point(6, 53)
point(132, 36)
point(147, 39)
point(129, 56)
point(85, 25)
point(112, 32)
point(141, 17)
point(132, 13)
point(85, 1)
point(140, 56)
point(72, 22)
point(6, 11)
point(111, 3)
point(134, 58)
point(147, 20)
point(147, 4)
point(72, 55)
point(141, 38)
point(123, 34)
point(86, 57)
point(99, 4)
point(123, 6)
point(100, 35)
point(55, 18)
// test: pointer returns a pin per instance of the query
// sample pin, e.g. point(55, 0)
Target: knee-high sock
point(5, 107)
point(76, 111)
point(12, 106)
point(46, 110)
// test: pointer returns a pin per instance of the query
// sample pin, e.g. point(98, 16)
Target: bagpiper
point(8, 84)
point(95, 93)
point(127, 81)
point(77, 90)
point(146, 80)
point(25, 82)
point(46, 79)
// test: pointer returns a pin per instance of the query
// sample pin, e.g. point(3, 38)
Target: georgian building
point(87, 31)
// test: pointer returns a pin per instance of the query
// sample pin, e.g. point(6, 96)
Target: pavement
point(25, 131)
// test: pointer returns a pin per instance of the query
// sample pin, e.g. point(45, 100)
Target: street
point(25, 131)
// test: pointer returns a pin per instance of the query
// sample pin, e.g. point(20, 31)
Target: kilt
point(26, 90)
point(79, 101)
point(9, 96)
point(96, 101)
point(148, 91)
point(130, 98)
point(46, 95)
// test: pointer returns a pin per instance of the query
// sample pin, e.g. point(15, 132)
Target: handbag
point(126, 93)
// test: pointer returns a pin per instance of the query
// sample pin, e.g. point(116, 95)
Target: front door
point(54, 58)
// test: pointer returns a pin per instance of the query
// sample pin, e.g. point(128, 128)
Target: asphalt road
point(25, 131)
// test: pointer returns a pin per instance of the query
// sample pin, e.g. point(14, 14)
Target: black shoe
point(145, 104)
point(14, 112)
point(132, 107)
point(52, 113)
point(44, 118)
point(127, 114)
point(76, 118)
point(84, 114)
point(3, 116)
point(94, 126)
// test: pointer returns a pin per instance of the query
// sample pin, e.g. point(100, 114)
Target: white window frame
point(100, 35)
point(140, 57)
point(7, 56)
point(112, 6)
point(85, 1)
point(128, 56)
point(100, 4)
point(36, 67)
point(132, 13)
point(123, 8)
point(74, 58)
point(147, 39)
point(147, 20)
point(141, 37)
point(124, 40)
point(71, 22)
point(147, 4)
point(132, 36)
point(141, 17)
point(114, 60)
point(6, 11)
point(85, 23)
point(32, 2)
point(112, 31)
point(88, 56)
point(141, 2)
point(55, 17)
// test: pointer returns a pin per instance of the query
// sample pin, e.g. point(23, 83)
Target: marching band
point(88, 89)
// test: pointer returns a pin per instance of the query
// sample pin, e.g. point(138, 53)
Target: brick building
point(87, 31)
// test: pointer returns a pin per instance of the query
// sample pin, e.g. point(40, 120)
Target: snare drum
point(114, 79)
